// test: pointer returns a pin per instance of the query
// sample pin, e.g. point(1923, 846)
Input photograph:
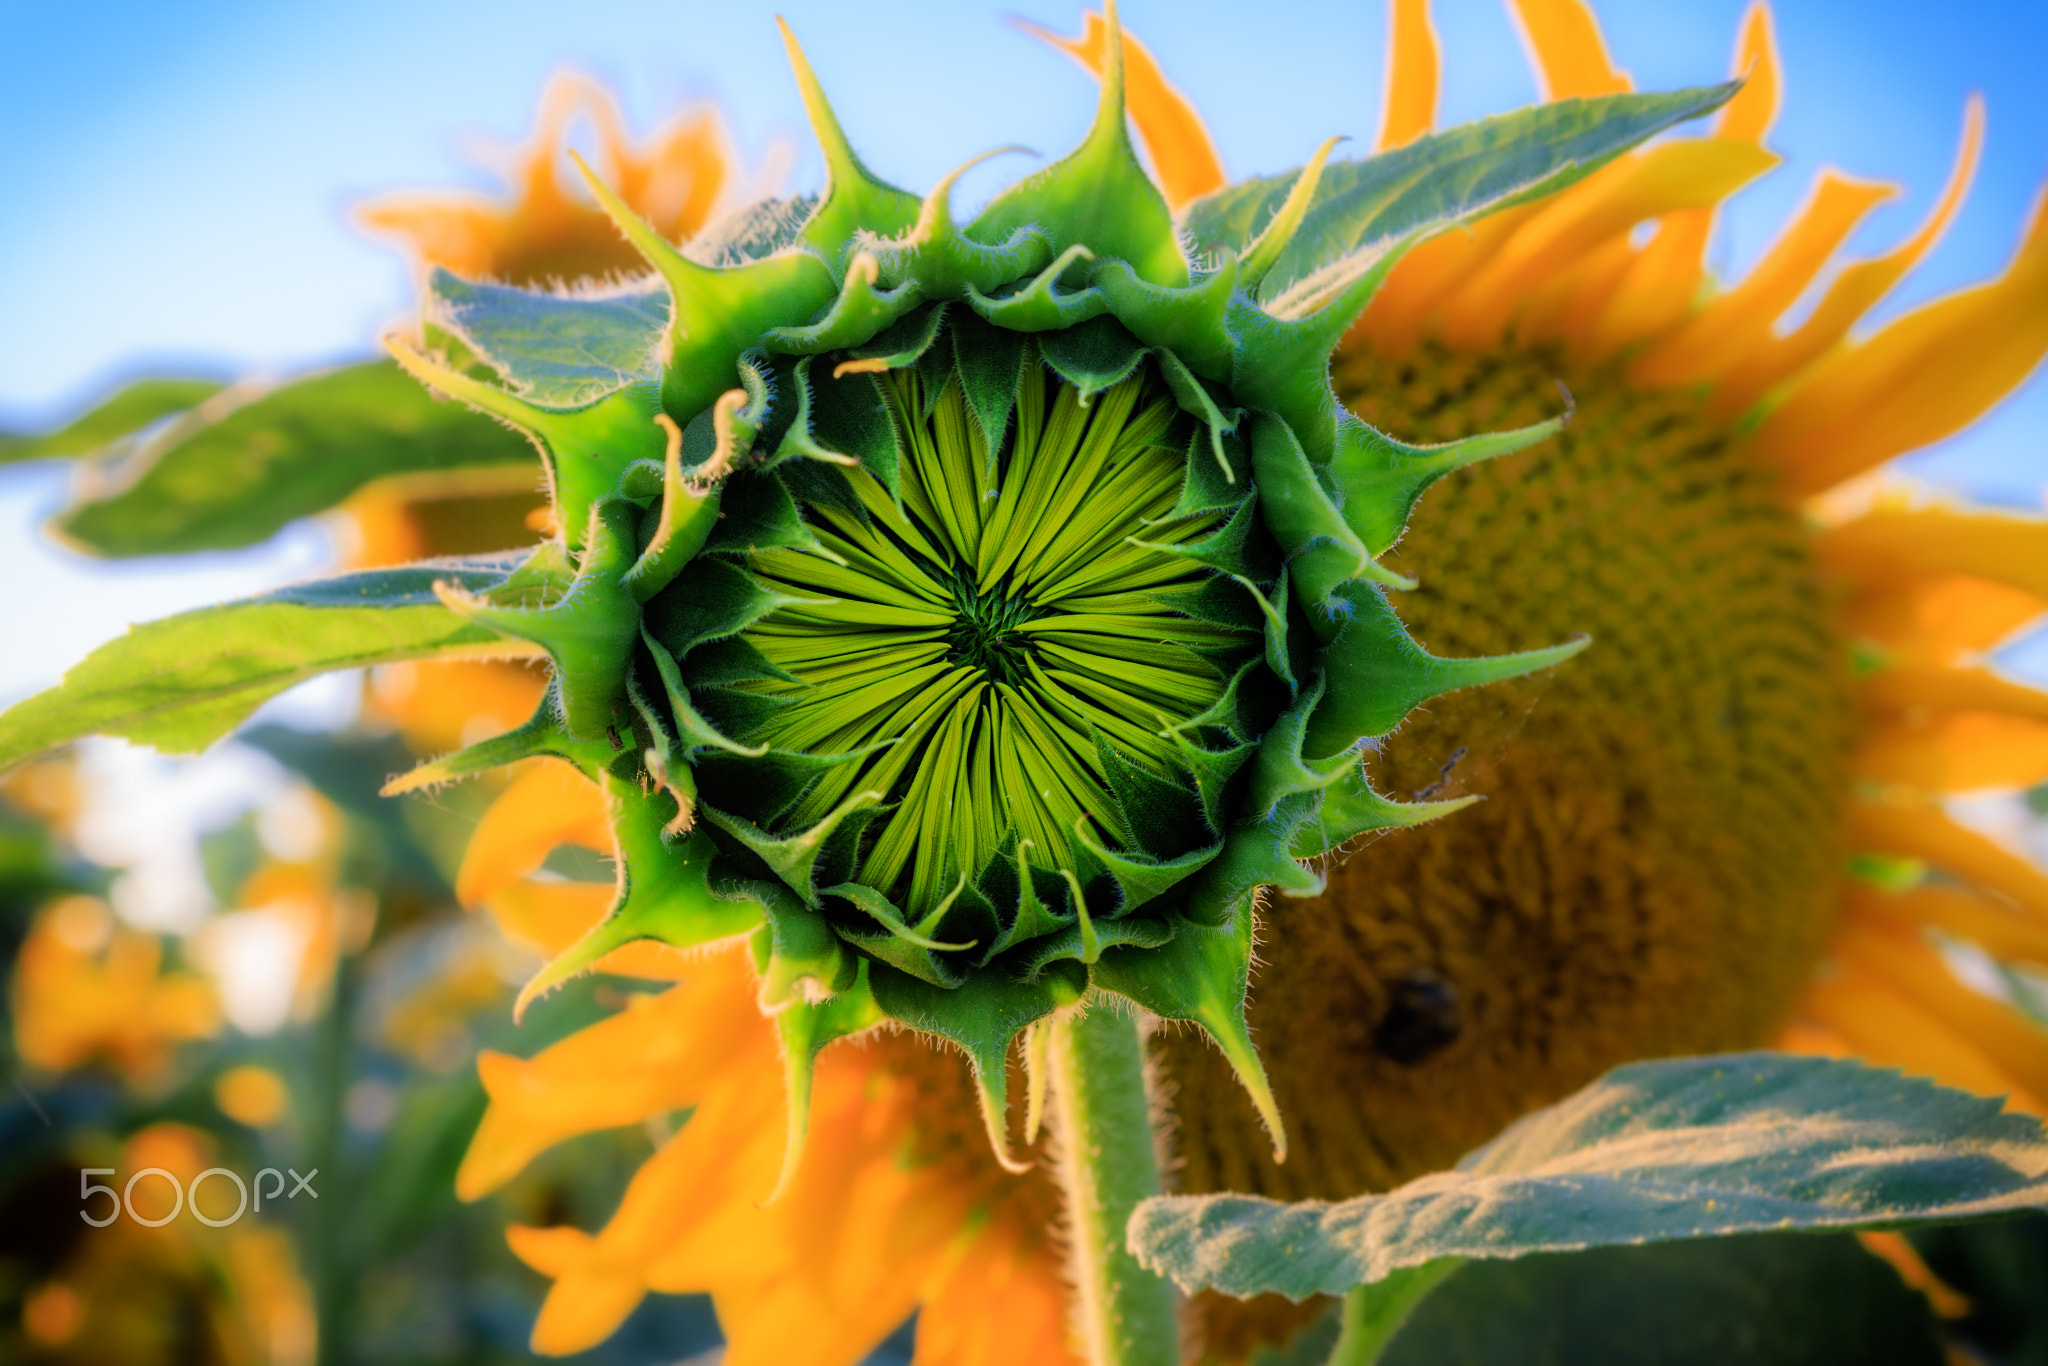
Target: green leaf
point(1760, 1299)
point(1362, 210)
point(231, 475)
point(553, 350)
point(127, 410)
point(1653, 1151)
point(181, 683)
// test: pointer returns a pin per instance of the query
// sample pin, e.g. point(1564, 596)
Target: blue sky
point(179, 176)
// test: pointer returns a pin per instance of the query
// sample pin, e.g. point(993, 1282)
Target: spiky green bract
point(979, 616)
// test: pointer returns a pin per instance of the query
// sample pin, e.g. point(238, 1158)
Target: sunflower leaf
point(553, 350)
point(1363, 210)
point(122, 413)
point(185, 681)
point(235, 471)
point(1655, 1151)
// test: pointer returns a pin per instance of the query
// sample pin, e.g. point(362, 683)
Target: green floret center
point(994, 633)
point(986, 636)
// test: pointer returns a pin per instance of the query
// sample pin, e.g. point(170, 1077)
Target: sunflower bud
point(976, 616)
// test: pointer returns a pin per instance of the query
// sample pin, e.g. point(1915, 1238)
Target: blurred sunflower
point(87, 990)
point(1723, 826)
point(179, 1292)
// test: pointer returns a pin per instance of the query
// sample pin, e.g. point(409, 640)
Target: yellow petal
point(1565, 306)
point(443, 704)
point(2000, 930)
point(1660, 286)
point(599, 1279)
point(1929, 687)
point(1002, 1304)
point(1755, 107)
point(1775, 359)
point(548, 916)
point(1414, 65)
point(1411, 300)
point(1938, 620)
point(590, 1297)
point(1954, 753)
point(1722, 333)
point(1694, 173)
point(661, 1053)
point(1565, 46)
point(1890, 545)
point(549, 804)
point(1888, 1028)
point(1664, 283)
point(1942, 1298)
point(2015, 1044)
point(675, 181)
point(1925, 832)
point(1184, 159)
point(1922, 378)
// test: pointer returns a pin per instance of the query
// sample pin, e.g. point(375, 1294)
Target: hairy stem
point(1107, 1166)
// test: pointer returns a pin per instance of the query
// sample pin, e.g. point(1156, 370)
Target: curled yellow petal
point(657, 1055)
point(675, 179)
point(1852, 293)
point(1414, 68)
point(1717, 338)
point(548, 805)
point(1567, 49)
point(592, 1294)
point(1755, 107)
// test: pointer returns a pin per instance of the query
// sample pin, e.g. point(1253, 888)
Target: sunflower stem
point(1107, 1165)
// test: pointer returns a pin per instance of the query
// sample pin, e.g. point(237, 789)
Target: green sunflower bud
point(978, 616)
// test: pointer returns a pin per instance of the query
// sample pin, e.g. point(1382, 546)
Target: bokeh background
point(177, 201)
